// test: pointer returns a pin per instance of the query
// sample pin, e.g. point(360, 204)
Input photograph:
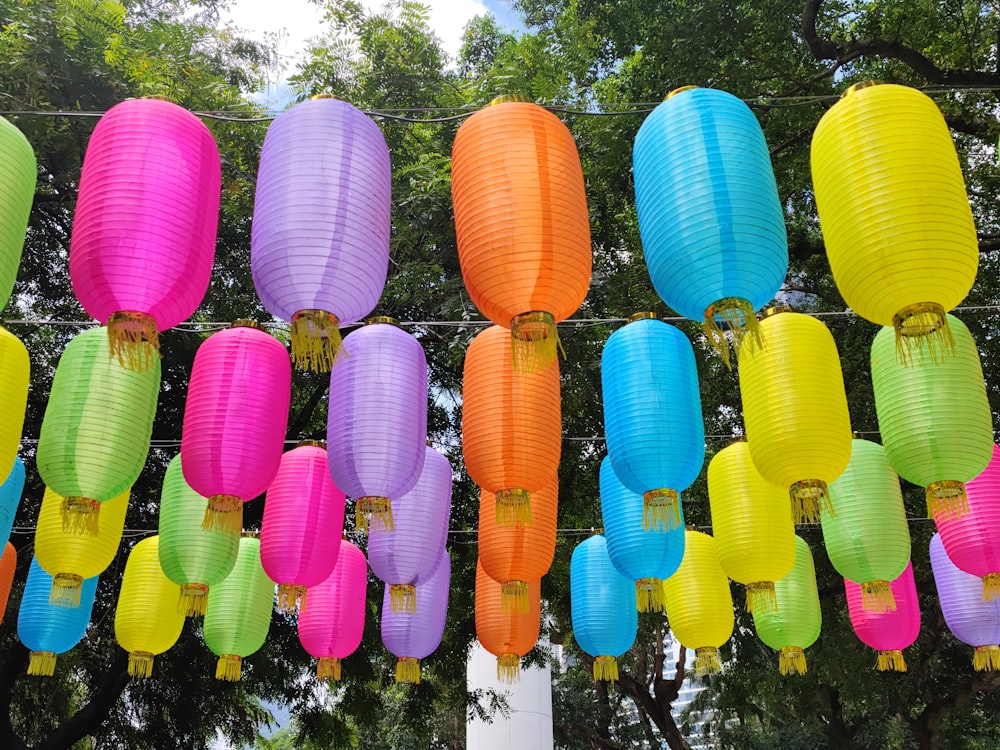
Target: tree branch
point(14, 665)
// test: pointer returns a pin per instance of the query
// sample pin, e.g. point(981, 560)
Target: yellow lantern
point(14, 375)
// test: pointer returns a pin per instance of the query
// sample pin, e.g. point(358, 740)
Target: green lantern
point(18, 173)
point(795, 625)
point(192, 557)
point(868, 540)
point(239, 612)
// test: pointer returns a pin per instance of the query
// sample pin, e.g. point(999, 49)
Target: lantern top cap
point(315, 97)
point(507, 98)
point(857, 435)
point(679, 90)
point(250, 535)
point(640, 316)
point(311, 443)
point(767, 312)
point(858, 86)
point(246, 323)
point(382, 319)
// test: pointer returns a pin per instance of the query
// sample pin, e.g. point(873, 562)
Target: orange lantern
point(8, 563)
point(505, 634)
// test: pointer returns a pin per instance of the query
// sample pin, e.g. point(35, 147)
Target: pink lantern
point(330, 628)
point(412, 637)
point(303, 523)
point(235, 420)
point(889, 632)
point(143, 240)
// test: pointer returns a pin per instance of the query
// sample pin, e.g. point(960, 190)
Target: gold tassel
point(534, 341)
point(513, 507)
point(408, 670)
point(649, 595)
point(808, 497)
point(987, 658)
point(948, 498)
point(707, 661)
point(193, 599)
point(737, 316)
point(373, 510)
point(289, 597)
point(224, 514)
point(328, 669)
point(891, 661)
point(661, 510)
point(761, 597)
point(133, 339)
point(66, 588)
point(922, 329)
point(42, 664)
point(229, 668)
point(514, 596)
point(606, 669)
point(792, 660)
point(81, 515)
point(402, 598)
point(876, 596)
point(508, 668)
point(140, 664)
point(315, 340)
point(991, 586)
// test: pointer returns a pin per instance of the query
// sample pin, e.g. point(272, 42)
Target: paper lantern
point(644, 556)
point(10, 498)
point(144, 230)
point(868, 540)
point(934, 417)
point(48, 631)
point(71, 558)
point(511, 425)
point(238, 614)
point(192, 557)
point(602, 606)
point(235, 420)
point(794, 624)
point(319, 249)
point(15, 373)
point(714, 241)
point(699, 604)
point(96, 429)
point(17, 193)
point(888, 632)
point(795, 409)
point(147, 618)
point(506, 633)
point(753, 528)
point(415, 636)
point(521, 223)
point(407, 554)
point(896, 220)
point(330, 628)
point(8, 565)
point(377, 419)
point(652, 415)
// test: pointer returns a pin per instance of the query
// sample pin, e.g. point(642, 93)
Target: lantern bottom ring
point(402, 598)
point(987, 658)
point(140, 664)
point(792, 660)
point(891, 661)
point(534, 341)
point(291, 597)
point(66, 588)
point(661, 509)
point(809, 498)
point(316, 340)
point(373, 510)
point(707, 661)
point(606, 669)
point(922, 326)
point(224, 514)
point(735, 315)
point(513, 507)
point(508, 668)
point(328, 669)
point(42, 663)
point(229, 668)
point(948, 498)
point(81, 515)
point(408, 670)
point(133, 339)
point(649, 595)
point(192, 599)
point(876, 596)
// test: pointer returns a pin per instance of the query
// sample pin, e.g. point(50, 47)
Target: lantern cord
point(891, 661)
point(229, 668)
point(408, 670)
point(735, 315)
point(661, 510)
point(192, 599)
point(291, 598)
point(328, 669)
point(947, 498)
point(761, 597)
point(606, 669)
point(987, 658)
point(81, 515)
point(792, 660)
point(649, 595)
point(707, 661)
point(876, 596)
point(140, 664)
point(991, 586)
point(514, 597)
point(42, 663)
point(66, 588)
point(508, 668)
point(402, 598)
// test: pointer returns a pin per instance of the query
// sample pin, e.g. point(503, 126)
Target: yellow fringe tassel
point(133, 339)
point(649, 595)
point(891, 661)
point(991, 586)
point(193, 599)
point(922, 329)
point(328, 669)
point(289, 596)
point(140, 664)
point(224, 514)
point(229, 668)
point(513, 507)
point(373, 511)
point(761, 597)
point(737, 316)
point(514, 596)
point(508, 668)
point(876, 596)
point(707, 661)
point(534, 341)
point(661, 510)
point(402, 598)
point(81, 515)
point(808, 497)
point(987, 658)
point(42, 664)
point(948, 498)
point(66, 588)
point(315, 340)
point(606, 669)
point(792, 660)
point(408, 670)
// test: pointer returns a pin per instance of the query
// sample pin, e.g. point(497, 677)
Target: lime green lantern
point(18, 173)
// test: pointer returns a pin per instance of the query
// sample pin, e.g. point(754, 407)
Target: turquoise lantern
point(10, 498)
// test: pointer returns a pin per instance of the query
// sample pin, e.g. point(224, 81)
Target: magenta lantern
point(235, 420)
point(303, 523)
point(143, 240)
point(888, 632)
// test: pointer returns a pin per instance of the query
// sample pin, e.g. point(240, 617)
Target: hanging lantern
point(506, 633)
point(652, 415)
point(17, 193)
point(714, 241)
point(319, 249)
point(96, 429)
point(753, 528)
point(377, 419)
point(71, 558)
point(934, 416)
point(415, 636)
point(795, 409)
point(235, 420)
point(521, 223)
point(144, 230)
point(896, 220)
point(888, 632)
point(330, 628)
point(868, 540)
point(602, 606)
point(408, 554)
point(699, 604)
point(644, 556)
point(15, 372)
point(794, 624)
point(8, 565)
point(511, 425)
point(147, 618)
point(192, 557)
point(10, 497)
point(48, 631)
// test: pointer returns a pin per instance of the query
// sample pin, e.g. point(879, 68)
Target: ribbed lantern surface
point(652, 415)
point(404, 556)
point(868, 539)
point(698, 602)
point(934, 416)
point(15, 374)
point(795, 409)
point(521, 223)
point(8, 565)
point(602, 606)
point(147, 618)
point(505, 633)
point(17, 193)
point(794, 624)
point(235, 420)
point(319, 249)
point(47, 630)
point(752, 525)
point(887, 632)
point(192, 557)
point(511, 424)
point(10, 498)
point(377, 419)
point(711, 222)
point(303, 523)
point(411, 637)
point(896, 219)
point(330, 628)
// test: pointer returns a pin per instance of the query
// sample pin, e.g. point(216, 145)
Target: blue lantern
point(10, 498)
